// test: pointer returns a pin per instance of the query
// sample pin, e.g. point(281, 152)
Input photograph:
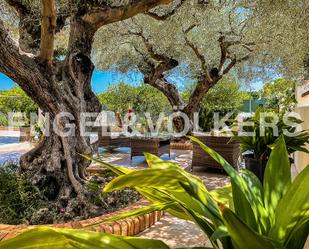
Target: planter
point(126, 227)
point(256, 166)
point(220, 144)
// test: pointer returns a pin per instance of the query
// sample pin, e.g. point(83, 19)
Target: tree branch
point(225, 54)
point(197, 95)
point(198, 54)
point(233, 62)
point(149, 47)
point(166, 16)
point(20, 68)
point(99, 16)
point(48, 29)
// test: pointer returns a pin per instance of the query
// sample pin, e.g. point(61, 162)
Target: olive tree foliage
point(270, 36)
point(208, 40)
point(280, 32)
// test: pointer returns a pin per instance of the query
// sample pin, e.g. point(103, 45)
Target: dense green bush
point(16, 100)
point(23, 203)
point(280, 95)
point(19, 199)
point(119, 97)
point(3, 120)
point(226, 96)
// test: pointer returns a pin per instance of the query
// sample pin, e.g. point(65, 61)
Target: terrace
point(154, 124)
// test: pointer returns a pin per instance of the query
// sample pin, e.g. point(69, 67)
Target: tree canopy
point(16, 100)
point(119, 97)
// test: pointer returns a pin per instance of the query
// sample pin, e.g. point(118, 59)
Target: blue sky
point(100, 80)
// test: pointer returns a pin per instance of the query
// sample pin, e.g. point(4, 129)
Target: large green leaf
point(223, 195)
point(277, 177)
point(189, 192)
point(244, 237)
point(173, 184)
point(292, 209)
point(298, 236)
point(245, 192)
point(196, 188)
point(151, 194)
point(118, 170)
point(195, 248)
point(243, 207)
point(167, 179)
point(52, 238)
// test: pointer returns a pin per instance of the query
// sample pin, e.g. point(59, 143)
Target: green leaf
point(155, 162)
point(162, 178)
point(243, 207)
point(243, 237)
point(118, 170)
point(220, 233)
point(196, 188)
point(224, 195)
point(298, 236)
point(52, 238)
point(195, 248)
point(292, 209)
point(244, 190)
point(277, 177)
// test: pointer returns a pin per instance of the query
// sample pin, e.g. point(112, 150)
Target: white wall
point(302, 159)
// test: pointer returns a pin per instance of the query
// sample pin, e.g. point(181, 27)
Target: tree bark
point(55, 165)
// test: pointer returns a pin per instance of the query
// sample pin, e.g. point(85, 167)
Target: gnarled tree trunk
point(56, 163)
point(60, 87)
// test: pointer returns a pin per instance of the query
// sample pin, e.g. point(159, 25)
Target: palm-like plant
point(261, 144)
point(275, 215)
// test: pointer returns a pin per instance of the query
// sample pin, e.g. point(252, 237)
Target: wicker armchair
point(106, 140)
point(230, 152)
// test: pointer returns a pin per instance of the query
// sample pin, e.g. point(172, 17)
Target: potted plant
point(257, 148)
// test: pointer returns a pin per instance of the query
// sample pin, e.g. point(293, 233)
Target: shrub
point(19, 199)
point(3, 120)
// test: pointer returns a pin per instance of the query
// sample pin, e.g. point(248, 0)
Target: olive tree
point(204, 42)
point(59, 85)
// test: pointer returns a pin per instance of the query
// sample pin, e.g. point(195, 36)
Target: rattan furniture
point(220, 144)
point(154, 145)
point(106, 140)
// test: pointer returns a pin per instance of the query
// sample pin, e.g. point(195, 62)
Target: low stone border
point(127, 227)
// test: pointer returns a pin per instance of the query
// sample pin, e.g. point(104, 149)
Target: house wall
point(302, 159)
